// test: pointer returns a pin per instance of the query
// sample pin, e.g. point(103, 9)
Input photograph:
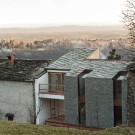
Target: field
point(63, 32)
point(12, 128)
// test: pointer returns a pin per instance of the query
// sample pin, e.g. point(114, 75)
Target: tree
point(129, 21)
point(3, 43)
point(113, 55)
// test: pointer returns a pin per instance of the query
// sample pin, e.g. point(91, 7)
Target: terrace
point(57, 89)
point(54, 85)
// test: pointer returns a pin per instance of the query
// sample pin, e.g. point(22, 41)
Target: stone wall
point(71, 99)
point(99, 102)
point(124, 100)
point(131, 98)
point(16, 98)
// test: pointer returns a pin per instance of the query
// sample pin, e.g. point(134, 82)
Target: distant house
point(81, 89)
point(17, 100)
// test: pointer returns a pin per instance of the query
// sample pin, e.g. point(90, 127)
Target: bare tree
point(39, 109)
point(129, 21)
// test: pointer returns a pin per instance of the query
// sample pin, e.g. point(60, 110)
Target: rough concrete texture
point(71, 99)
point(131, 98)
point(99, 102)
point(124, 101)
point(17, 98)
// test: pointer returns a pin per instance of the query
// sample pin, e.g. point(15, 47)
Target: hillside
point(63, 32)
point(12, 128)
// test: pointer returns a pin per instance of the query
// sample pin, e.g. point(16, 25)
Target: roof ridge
point(106, 60)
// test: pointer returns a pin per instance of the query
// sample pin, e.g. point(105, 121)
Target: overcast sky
point(16, 13)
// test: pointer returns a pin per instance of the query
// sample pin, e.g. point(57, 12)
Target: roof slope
point(99, 68)
point(22, 70)
point(66, 61)
point(75, 61)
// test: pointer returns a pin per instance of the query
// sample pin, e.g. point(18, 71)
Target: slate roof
point(75, 62)
point(131, 66)
point(69, 59)
point(22, 70)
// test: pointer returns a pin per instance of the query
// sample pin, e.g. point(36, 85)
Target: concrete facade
point(124, 101)
point(99, 102)
point(17, 98)
point(131, 98)
point(71, 99)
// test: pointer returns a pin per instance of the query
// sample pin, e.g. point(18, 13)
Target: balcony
point(55, 89)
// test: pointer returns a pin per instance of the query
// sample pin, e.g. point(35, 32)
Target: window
point(56, 81)
point(10, 116)
point(117, 103)
point(81, 94)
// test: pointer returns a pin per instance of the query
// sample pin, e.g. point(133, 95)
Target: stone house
point(81, 89)
point(131, 94)
point(17, 100)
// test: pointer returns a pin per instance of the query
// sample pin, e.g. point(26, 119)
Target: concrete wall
point(131, 98)
point(44, 113)
point(124, 101)
point(43, 80)
point(99, 102)
point(16, 98)
point(71, 99)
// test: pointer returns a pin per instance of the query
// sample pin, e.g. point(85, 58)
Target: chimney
point(11, 59)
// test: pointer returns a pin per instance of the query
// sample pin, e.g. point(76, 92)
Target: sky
point(32, 13)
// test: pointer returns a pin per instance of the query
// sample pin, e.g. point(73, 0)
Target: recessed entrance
point(117, 103)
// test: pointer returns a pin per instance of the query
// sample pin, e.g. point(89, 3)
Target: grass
point(13, 128)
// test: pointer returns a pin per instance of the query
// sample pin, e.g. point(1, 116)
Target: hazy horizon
point(44, 13)
point(34, 26)
point(63, 32)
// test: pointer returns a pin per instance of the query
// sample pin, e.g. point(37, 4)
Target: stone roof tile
point(75, 60)
point(22, 70)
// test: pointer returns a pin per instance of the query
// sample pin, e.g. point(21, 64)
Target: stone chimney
point(11, 59)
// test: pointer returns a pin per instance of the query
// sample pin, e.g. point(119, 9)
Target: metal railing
point(51, 88)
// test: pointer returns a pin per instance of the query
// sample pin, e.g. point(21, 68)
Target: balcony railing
point(57, 88)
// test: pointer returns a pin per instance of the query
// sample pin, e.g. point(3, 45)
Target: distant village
point(51, 43)
point(66, 44)
point(67, 82)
